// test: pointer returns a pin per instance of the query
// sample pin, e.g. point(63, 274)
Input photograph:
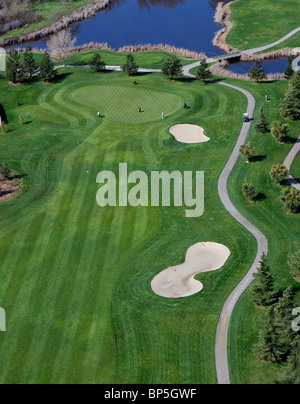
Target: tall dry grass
point(77, 16)
point(184, 53)
point(220, 13)
point(282, 53)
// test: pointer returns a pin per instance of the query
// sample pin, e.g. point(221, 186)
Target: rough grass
point(76, 310)
point(257, 23)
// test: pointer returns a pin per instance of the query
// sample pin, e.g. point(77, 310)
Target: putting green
point(120, 104)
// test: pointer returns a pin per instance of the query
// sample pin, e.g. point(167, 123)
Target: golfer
point(163, 115)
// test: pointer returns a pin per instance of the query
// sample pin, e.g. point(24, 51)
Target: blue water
point(182, 23)
point(271, 66)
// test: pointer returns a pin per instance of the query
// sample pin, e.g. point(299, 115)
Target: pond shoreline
point(77, 16)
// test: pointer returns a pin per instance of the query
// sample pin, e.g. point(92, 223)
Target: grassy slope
point(76, 310)
point(257, 23)
point(149, 60)
point(47, 10)
point(295, 169)
point(281, 228)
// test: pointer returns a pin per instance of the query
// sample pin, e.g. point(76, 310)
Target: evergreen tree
point(262, 126)
point(269, 347)
point(278, 173)
point(13, 67)
point(29, 65)
point(288, 73)
point(47, 70)
point(262, 289)
point(203, 72)
point(279, 131)
point(96, 63)
point(291, 374)
point(5, 171)
point(257, 72)
point(130, 66)
point(172, 67)
point(283, 318)
point(294, 263)
point(290, 106)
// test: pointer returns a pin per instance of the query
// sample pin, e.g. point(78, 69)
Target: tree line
point(277, 341)
point(290, 109)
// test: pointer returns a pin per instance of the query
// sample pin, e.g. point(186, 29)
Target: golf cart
point(246, 118)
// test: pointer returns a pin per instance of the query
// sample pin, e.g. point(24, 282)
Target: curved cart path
point(289, 161)
point(186, 69)
point(221, 345)
point(262, 247)
point(221, 354)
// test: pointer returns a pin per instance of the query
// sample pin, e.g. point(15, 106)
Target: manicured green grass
point(76, 311)
point(280, 227)
point(149, 60)
point(257, 23)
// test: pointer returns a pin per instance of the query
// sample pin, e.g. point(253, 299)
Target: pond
point(185, 24)
point(270, 66)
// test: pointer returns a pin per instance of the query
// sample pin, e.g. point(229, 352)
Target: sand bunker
point(178, 281)
point(189, 134)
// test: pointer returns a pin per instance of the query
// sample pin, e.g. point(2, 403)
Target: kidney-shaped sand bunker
point(184, 133)
point(178, 281)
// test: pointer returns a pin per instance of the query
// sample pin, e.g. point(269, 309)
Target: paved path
point(221, 355)
point(262, 247)
point(289, 161)
point(248, 52)
point(221, 345)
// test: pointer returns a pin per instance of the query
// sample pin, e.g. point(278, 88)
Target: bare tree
point(61, 44)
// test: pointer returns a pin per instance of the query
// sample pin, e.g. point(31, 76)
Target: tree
point(29, 66)
point(5, 171)
point(262, 289)
point(262, 126)
point(3, 126)
point(61, 45)
point(279, 131)
point(269, 347)
point(203, 72)
point(283, 319)
point(47, 69)
point(290, 106)
point(172, 67)
point(96, 63)
point(294, 263)
point(250, 191)
point(13, 67)
point(257, 72)
point(247, 151)
point(291, 374)
point(288, 73)
point(291, 199)
point(278, 173)
point(130, 66)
